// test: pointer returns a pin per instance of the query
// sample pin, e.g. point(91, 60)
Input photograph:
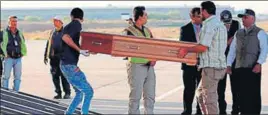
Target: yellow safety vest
point(138, 33)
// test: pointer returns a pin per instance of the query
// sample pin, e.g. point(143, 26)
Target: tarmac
point(108, 76)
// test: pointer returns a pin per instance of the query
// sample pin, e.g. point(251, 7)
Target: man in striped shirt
point(211, 49)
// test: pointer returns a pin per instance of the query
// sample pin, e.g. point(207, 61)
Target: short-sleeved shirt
point(69, 55)
point(214, 36)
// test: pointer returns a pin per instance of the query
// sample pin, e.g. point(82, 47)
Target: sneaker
point(67, 96)
point(57, 97)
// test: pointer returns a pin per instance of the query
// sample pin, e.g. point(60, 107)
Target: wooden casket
point(130, 46)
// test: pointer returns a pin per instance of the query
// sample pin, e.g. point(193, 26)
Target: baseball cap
point(247, 12)
point(226, 17)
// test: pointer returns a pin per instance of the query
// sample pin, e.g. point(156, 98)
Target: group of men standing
point(62, 49)
point(192, 75)
point(223, 48)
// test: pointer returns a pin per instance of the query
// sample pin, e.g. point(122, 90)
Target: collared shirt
point(13, 43)
point(214, 36)
point(195, 26)
point(13, 34)
point(263, 41)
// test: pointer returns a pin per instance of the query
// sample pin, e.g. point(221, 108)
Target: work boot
point(67, 96)
point(57, 96)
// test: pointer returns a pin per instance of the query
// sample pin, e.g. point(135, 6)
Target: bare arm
point(68, 40)
point(198, 49)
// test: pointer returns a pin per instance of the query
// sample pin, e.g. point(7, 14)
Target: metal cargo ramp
point(22, 103)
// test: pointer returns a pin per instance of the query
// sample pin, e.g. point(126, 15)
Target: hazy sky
point(258, 6)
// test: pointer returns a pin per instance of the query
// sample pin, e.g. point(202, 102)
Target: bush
point(32, 18)
point(158, 16)
point(174, 14)
point(66, 19)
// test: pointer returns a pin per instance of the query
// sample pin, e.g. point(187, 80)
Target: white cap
point(57, 18)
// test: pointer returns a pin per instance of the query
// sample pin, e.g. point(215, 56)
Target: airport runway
point(108, 77)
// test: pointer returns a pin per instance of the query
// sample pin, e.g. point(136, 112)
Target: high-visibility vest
point(5, 42)
point(49, 44)
point(138, 33)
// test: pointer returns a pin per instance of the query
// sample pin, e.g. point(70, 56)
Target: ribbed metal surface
point(22, 103)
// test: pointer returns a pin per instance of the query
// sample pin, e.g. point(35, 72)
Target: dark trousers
point(1, 70)
point(234, 80)
point(191, 79)
point(234, 88)
point(249, 91)
point(57, 76)
point(221, 95)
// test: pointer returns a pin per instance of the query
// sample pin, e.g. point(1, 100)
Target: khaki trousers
point(141, 79)
point(207, 90)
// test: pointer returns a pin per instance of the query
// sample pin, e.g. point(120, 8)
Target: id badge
point(16, 43)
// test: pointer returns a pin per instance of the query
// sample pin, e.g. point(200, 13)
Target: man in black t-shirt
point(69, 59)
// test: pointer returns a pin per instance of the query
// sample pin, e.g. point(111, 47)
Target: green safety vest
point(5, 42)
point(138, 33)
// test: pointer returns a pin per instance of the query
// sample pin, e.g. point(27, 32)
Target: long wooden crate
point(130, 46)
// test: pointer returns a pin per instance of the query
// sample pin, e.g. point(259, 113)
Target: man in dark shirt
point(52, 52)
point(232, 26)
point(69, 59)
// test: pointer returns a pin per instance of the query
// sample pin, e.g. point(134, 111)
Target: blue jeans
point(16, 64)
point(83, 90)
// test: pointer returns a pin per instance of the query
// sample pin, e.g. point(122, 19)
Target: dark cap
point(247, 12)
point(226, 17)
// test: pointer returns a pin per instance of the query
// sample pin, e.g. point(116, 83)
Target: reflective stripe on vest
point(138, 33)
point(5, 42)
point(49, 44)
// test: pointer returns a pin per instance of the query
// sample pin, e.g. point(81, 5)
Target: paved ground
point(108, 77)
